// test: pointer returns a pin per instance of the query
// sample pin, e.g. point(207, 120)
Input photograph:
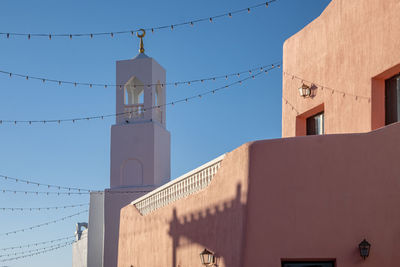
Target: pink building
point(300, 200)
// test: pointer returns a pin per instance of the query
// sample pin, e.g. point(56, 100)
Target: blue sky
point(77, 154)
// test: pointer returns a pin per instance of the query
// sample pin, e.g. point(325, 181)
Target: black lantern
point(305, 90)
point(364, 247)
point(207, 257)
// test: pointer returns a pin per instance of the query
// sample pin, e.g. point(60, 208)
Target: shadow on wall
point(217, 228)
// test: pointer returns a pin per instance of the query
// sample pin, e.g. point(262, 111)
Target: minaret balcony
point(134, 111)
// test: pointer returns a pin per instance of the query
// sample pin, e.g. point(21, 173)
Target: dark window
point(309, 264)
point(392, 100)
point(315, 124)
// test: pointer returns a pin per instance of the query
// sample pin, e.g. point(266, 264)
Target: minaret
point(140, 150)
point(140, 142)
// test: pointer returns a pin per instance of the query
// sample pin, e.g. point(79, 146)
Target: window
point(315, 124)
point(392, 100)
point(309, 264)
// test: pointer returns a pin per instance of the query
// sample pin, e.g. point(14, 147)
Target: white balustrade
point(183, 186)
point(135, 111)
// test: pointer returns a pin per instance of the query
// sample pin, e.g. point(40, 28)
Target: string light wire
point(323, 87)
point(43, 224)
point(190, 23)
point(36, 253)
point(107, 85)
point(172, 103)
point(34, 250)
point(28, 182)
point(36, 244)
point(44, 208)
point(49, 193)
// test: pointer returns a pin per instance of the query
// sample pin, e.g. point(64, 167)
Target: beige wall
point(352, 48)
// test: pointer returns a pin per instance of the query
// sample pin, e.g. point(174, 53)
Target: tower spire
point(141, 48)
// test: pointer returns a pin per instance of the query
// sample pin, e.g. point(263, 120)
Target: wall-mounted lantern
point(305, 90)
point(207, 258)
point(364, 247)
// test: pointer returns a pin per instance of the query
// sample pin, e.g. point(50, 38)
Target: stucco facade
point(299, 198)
point(304, 198)
point(349, 51)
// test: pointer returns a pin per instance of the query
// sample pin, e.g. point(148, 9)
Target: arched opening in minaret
point(134, 98)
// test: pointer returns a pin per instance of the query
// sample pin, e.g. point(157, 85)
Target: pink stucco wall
point(303, 198)
point(318, 197)
point(176, 234)
point(352, 48)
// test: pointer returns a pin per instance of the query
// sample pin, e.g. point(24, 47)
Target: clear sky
point(77, 155)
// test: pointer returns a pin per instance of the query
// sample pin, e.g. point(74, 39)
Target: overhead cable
point(36, 253)
point(172, 103)
point(28, 182)
point(107, 85)
point(42, 224)
point(12, 254)
point(132, 32)
point(43, 208)
point(36, 244)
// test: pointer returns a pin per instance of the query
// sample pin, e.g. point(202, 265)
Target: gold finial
point(141, 49)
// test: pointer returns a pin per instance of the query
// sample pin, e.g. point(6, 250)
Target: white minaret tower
point(140, 142)
point(140, 152)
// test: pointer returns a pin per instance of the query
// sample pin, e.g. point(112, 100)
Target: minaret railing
point(185, 185)
point(135, 111)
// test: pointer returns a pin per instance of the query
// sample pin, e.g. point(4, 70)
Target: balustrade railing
point(135, 111)
point(183, 186)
